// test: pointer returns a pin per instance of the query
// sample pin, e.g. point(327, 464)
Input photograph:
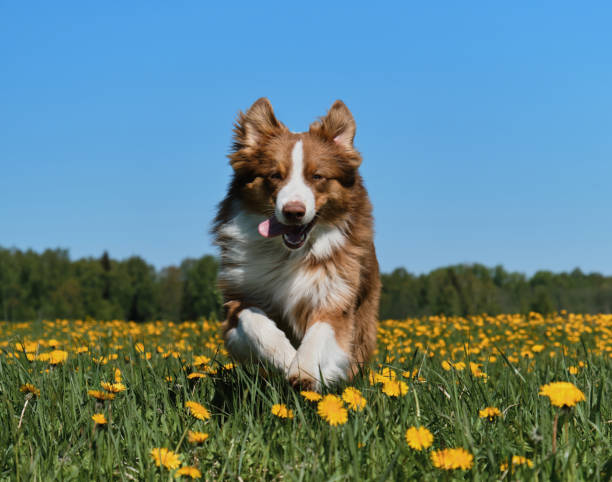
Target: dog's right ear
point(258, 124)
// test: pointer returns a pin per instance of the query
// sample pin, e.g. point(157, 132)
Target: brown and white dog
point(299, 274)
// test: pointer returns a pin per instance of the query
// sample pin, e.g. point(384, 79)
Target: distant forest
point(50, 285)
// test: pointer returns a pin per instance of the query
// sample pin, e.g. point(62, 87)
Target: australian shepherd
point(299, 274)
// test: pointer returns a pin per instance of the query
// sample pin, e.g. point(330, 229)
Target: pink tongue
point(271, 228)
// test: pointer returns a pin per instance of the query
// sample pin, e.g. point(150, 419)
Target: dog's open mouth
point(294, 237)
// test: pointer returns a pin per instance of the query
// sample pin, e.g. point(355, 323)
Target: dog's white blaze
point(256, 337)
point(320, 356)
point(296, 188)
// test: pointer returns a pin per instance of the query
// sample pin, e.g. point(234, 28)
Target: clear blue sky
point(486, 129)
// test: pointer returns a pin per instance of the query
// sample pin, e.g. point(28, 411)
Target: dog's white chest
point(265, 271)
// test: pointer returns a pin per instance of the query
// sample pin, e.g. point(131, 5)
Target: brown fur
point(261, 159)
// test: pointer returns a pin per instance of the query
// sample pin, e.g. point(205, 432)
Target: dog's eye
point(276, 175)
point(317, 177)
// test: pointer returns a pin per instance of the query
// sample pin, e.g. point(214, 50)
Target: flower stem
point(554, 433)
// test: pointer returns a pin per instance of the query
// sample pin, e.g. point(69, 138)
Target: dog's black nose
point(294, 211)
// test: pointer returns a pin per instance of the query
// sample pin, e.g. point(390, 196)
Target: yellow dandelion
point(193, 375)
point(165, 457)
point(386, 374)
point(331, 409)
point(419, 438)
point(140, 349)
point(311, 396)
point(58, 356)
point(118, 376)
point(573, 370)
point(516, 460)
point(101, 395)
point(200, 360)
point(281, 411)
point(196, 437)
point(189, 471)
point(459, 366)
point(29, 388)
point(395, 388)
point(489, 413)
point(229, 366)
point(353, 398)
point(562, 394)
point(99, 419)
point(449, 459)
point(113, 387)
point(198, 411)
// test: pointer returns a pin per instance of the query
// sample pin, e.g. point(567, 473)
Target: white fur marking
point(326, 240)
point(320, 357)
point(278, 279)
point(296, 188)
point(257, 337)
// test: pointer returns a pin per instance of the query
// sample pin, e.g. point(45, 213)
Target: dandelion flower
point(449, 459)
point(189, 471)
point(58, 356)
point(311, 396)
point(353, 398)
point(573, 370)
point(200, 360)
point(101, 395)
point(562, 394)
point(29, 388)
point(196, 437)
point(516, 460)
point(118, 376)
point(281, 411)
point(113, 387)
point(198, 411)
point(193, 375)
point(419, 438)
point(459, 366)
point(386, 374)
point(99, 419)
point(165, 457)
point(395, 388)
point(331, 409)
point(489, 413)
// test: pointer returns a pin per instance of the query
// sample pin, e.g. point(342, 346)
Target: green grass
point(57, 439)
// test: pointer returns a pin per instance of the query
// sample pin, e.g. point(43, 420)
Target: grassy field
point(436, 373)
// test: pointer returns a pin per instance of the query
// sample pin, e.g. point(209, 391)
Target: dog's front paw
point(301, 379)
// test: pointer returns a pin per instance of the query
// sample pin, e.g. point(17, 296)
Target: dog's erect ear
point(338, 125)
point(258, 123)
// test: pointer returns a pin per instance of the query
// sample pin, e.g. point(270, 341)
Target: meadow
point(447, 398)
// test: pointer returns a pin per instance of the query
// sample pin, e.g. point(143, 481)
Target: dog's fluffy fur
point(299, 274)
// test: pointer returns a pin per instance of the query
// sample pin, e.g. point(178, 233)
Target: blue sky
point(486, 129)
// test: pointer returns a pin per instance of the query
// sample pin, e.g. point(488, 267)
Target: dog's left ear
point(337, 126)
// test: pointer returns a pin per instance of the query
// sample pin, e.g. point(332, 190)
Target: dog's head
point(295, 180)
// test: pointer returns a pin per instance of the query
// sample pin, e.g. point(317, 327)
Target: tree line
point(50, 285)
